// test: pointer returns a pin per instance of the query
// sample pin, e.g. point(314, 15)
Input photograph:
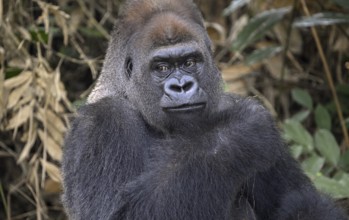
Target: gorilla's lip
point(186, 108)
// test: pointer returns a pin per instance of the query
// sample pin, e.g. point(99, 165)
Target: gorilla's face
point(176, 70)
point(173, 79)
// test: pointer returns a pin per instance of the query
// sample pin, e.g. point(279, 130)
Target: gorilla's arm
point(284, 192)
point(102, 152)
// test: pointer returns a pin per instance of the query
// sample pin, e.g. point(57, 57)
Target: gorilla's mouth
point(185, 108)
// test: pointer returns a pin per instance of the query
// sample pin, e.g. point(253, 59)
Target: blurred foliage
point(319, 150)
point(51, 52)
point(316, 112)
point(279, 43)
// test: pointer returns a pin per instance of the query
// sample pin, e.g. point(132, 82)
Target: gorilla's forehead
point(169, 29)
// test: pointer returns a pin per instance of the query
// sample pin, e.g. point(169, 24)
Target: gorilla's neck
point(187, 129)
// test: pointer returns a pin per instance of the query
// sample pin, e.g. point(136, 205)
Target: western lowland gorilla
point(159, 139)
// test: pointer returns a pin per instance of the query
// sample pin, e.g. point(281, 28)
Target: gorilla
point(160, 140)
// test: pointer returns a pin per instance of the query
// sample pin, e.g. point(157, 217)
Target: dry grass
point(34, 107)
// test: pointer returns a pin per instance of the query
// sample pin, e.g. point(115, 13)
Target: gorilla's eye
point(189, 63)
point(163, 68)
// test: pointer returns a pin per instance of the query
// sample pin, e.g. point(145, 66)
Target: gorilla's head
point(161, 61)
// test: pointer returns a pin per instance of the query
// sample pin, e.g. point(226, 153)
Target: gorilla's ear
point(128, 67)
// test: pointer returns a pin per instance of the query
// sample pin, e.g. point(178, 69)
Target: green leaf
point(344, 160)
point(262, 54)
point(235, 5)
point(301, 116)
point(39, 35)
point(342, 177)
point(313, 164)
point(343, 3)
point(294, 131)
point(12, 72)
point(322, 117)
point(329, 186)
point(326, 18)
point(296, 150)
point(91, 32)
point(327, 146)
point(257, 27)
point(302, 97)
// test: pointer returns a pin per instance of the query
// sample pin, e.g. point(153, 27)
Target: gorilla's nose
point(182, 88)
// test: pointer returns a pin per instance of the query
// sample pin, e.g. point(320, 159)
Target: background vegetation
point(291, 54)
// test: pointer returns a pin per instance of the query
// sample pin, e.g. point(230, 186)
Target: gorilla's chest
point(205, 150)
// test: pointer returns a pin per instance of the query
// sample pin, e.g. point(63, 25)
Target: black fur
point(128, 157)
point(117, 167)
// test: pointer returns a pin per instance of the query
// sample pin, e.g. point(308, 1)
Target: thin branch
point(329, 78)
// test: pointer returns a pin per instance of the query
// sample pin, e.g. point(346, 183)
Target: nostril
point(188, 86)
point(176, 88)
point(185, 87)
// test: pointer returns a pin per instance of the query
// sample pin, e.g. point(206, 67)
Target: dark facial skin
point(176, 71)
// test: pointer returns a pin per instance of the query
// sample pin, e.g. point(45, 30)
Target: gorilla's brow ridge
point(176, 52)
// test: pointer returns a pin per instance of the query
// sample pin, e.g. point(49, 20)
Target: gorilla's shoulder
point(105, 107)
point(107, 113)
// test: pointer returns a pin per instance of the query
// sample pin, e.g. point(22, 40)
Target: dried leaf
point(22, 78)
point(47, 116)
point(52, 170)
point(235, 77)
point(57, 107)
point(236, 72)
point(25, 33)
point(32, 135)
point(60, 17)
point(54, 133)
point(77, 16)
point(52, 186)
point(62, 22)
point(216, 32)
point(293, 39)
point(33, 172)
point(26, 98)
point(20, 117)
point(53, 149)
point(274, 66)
point(44, 18)
point(17, 93)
